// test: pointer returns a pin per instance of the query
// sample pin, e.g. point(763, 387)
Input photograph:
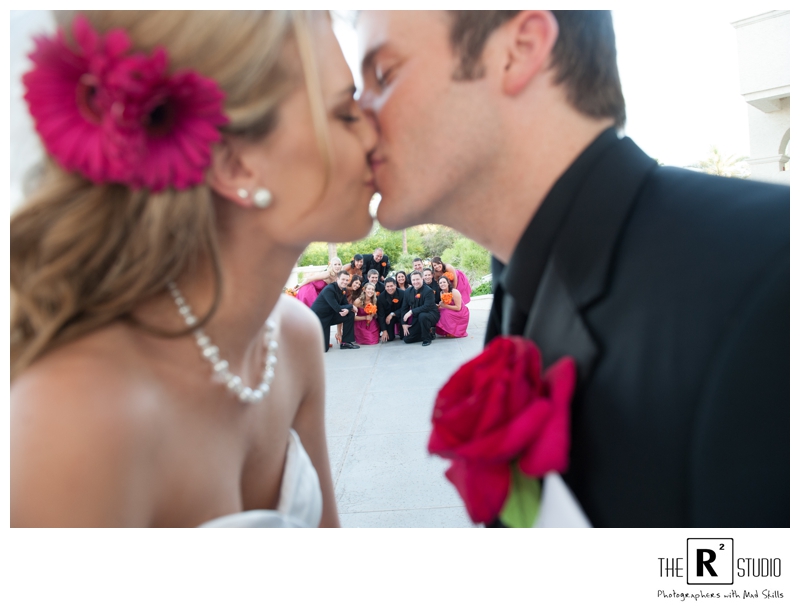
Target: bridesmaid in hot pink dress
point(314, 283)
point(459, 279)
point(367, 326)
point(453, 317)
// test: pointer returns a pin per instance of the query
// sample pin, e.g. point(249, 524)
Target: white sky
point(680, 78)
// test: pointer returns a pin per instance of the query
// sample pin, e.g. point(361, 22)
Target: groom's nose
point(367, 102)
point(369, 115)
point(369, 132)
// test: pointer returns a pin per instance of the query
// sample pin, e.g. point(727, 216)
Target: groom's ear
point(530, 41)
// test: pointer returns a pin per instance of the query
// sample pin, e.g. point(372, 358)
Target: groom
point(669, 288)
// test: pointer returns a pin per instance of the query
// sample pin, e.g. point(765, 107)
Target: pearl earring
point(262, 198)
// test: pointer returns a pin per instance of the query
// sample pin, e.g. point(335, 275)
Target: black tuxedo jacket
point(670, 288)
point(383, 267)
point(330, 301)
point(426, 303)
point(386, 306)
point(437, 291)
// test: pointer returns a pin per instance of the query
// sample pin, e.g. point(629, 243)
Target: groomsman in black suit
point(419, 302)
point(669, 288)
point(427, 277)
point(379, 261)
point(390, 306)
point(332, 308)
point(373, 278)
point(417, 265)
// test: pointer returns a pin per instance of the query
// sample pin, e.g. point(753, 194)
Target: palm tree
point(719, 165)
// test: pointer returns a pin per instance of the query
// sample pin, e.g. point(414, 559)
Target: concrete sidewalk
point(378, 419)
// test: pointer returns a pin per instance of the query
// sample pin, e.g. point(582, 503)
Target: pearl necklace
point(222, 373)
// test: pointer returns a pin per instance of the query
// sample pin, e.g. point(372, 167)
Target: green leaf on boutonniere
point(522, 505)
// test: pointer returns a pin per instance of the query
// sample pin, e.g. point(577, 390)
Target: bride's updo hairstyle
point(84, 254)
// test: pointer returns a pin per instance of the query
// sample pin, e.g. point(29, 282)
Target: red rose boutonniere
point(504, 425)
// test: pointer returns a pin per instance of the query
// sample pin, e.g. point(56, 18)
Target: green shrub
point(390, 241)
point(315, 254)
point(469, 257)
point(423, 242)
point(483, 289)
point(404, 262)
point(436, 239)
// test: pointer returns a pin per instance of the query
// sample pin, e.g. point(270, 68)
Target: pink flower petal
point(98, 80)
point(551, 451)
point(88, 40)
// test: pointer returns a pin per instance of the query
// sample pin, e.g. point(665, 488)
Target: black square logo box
point(709, 561)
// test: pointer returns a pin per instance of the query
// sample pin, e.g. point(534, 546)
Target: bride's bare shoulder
point(301, 333)
point(79, 422)
point(297, 321)
point(96, 367)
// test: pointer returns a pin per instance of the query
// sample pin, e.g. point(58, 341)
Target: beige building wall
point(763, 42)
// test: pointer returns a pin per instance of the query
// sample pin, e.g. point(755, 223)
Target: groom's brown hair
point(584, 56)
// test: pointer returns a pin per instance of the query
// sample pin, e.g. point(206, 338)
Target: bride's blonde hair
point(84, 255)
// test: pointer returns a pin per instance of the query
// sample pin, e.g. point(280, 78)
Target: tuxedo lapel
point(555, 325)
point(578, 270)
point(584, 251)
point(494, 324)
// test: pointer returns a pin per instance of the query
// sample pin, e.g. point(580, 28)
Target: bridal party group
point(369, 302)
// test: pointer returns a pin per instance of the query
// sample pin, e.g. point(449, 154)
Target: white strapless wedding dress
point(300, 503)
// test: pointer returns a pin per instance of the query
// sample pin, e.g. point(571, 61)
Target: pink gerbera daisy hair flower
point(119, 117)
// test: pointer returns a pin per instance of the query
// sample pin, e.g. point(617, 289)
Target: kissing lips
point(375, 163)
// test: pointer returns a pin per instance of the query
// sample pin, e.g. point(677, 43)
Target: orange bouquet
point(370, 309)
point(291, 292)
point(451, 276)
point(447, 298)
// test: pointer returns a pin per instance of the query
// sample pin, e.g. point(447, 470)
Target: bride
point(192, 156)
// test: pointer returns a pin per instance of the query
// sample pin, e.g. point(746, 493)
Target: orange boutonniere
point(395, 300)
point(450, 276)
point(344, 291)
point(447, 298)
point(417, 296)
point(383, 264)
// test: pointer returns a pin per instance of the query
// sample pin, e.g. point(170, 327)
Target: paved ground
point(379, 403)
